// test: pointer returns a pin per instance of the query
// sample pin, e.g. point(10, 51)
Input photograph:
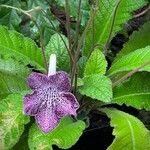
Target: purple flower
point(50, 100)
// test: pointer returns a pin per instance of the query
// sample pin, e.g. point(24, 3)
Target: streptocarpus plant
point(95, 82)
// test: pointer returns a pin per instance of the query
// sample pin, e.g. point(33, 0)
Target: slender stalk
point(20, 10)
point(42, 45)
point(68, 23)
point(76, 41)
point(142, 13)
point(78, 20)
point(80, 45)
point(130, 74)
point(111, 28)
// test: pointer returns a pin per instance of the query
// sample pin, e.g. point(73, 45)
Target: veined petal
point(61, 81)
point(68, 105)
point(31, 104)
point(47, 120)
point(35, 80)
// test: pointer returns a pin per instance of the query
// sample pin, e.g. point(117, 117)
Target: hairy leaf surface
point(96, 64)
point(130, 133)
point(134, 92)
point(12, 76)
point(97, 87)
point(131, 61)
point(20, 48)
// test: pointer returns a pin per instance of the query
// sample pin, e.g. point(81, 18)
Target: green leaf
point(131, 61)
point(134, 92)
point(12, 76)
point(21, 48)
point(138, 39)
point(96, 64)
point(97, 87)
point(130, 133)
point(56, 45)
point(64, 136)
point(10, 17)
point(104, 18)
point(12, 121)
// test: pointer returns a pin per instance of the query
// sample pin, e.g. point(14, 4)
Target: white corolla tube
point(52, 65)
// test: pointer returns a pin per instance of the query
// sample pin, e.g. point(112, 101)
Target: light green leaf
point(134, 92)
point(139, 39)
point(104, 18)
point(64, 136)
point(131, 61)
point(12, 76)
point(56, 45)
point(12, 121)
point(96, 64)
point(130, 133)
point(97, 87)
point(21, 48)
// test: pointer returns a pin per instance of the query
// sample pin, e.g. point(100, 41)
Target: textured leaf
point(97, 87)
point(12, 76)
point(130, 133)
point(21, 48)
point(96, 64)
point(10, 17)
point(57, 46)
point(131, 61)
point(64, 136)
point(134, 92)
point(12, 121)
point(104, 17)
point(139, 39)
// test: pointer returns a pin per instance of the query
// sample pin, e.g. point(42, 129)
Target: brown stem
point(68, 22)
point(130, 74)
point(42, 46)
point(80, 45)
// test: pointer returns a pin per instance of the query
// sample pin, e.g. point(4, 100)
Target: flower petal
point(35, 80)
point(31, 104)
point(68, 105)
point(61, 80)
point(47, 120)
